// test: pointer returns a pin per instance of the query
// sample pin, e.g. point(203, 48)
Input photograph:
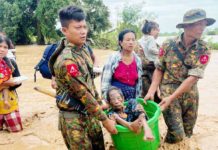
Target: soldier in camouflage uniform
point(182, 62)
point(77, 99)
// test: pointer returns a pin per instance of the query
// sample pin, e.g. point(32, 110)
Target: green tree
point(35, 20)
point(27, 23)
point(10, 18)
point(212, 31)
point(46, 18)
point(17, 19)
point(97, 16)
point(133, 16)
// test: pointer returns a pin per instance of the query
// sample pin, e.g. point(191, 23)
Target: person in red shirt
point(123, 69)
point(9, 110)
point(5, 74)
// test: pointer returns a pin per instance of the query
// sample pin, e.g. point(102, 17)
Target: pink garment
point(5, 71)
point(12, 121)
point(127, 74)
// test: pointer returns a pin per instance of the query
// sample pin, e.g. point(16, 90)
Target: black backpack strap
point(179, 55)
point(89, 49)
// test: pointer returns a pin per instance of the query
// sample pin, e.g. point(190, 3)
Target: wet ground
point(39, 112)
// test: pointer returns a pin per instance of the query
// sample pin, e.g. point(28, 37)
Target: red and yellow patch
point(73, 70)
point(204, 59)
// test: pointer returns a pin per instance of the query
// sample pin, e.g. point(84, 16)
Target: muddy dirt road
point(39, 112)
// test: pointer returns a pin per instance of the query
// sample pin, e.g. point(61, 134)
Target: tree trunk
point(40, 37)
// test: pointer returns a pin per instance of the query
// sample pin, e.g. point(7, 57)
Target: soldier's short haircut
point(70, 13)
point(148, 26)
point(112, 88)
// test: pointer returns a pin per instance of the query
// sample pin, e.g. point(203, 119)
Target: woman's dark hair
point(148, 26)
point(70, 13)
point(11, 45)
point(123, 33)
point(5, 39)
point(111, 89)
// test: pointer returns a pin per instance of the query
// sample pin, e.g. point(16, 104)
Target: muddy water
point(39, 113)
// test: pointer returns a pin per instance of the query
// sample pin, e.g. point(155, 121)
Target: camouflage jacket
point(73, 69)
point(196, 56)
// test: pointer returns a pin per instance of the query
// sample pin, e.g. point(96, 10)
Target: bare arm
point(53, 82)
point(184, 87)
point(133, 126)
point(3, 87)
point(7, 84)
point(7, 105)
point(122, 122)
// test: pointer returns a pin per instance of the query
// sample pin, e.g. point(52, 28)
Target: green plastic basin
point(128, 140)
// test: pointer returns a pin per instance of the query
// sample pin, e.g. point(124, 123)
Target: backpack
point(42, 66)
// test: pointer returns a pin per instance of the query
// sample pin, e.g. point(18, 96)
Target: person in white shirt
point(148, 53)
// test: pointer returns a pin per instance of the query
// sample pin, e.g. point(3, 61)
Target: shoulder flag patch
point(73, 70)
point(204, 59)
point(161, 52)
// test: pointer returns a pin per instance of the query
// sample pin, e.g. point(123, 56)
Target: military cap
point(195, 15)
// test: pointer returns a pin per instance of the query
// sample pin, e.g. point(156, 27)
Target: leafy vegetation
point(131, 17)
point(35, 21)
point(213, 45)
point(29, 21)
point(212, 31)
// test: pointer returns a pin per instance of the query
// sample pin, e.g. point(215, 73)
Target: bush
point(106, 40)
point(109, 40)
point(213, 46)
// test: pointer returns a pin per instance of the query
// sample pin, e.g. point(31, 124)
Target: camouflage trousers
point(80, 132)
point(181, 115)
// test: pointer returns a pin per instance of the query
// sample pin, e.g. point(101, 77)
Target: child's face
point(155, 32)
point(116, 100)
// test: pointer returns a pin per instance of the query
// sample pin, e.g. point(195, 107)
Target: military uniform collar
point(180, 42)
point(72, 46)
